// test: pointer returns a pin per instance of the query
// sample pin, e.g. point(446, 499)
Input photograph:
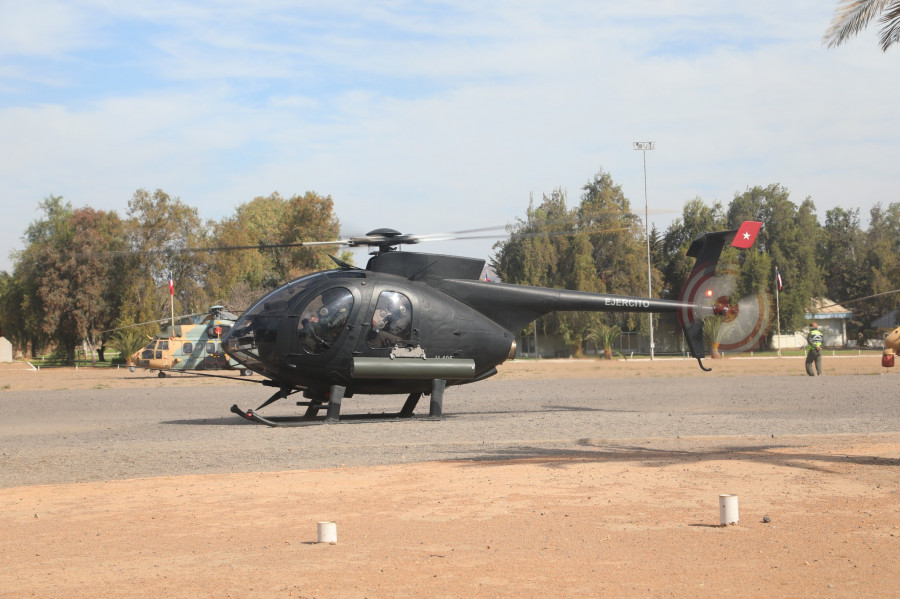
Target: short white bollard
point(327, 532)
point(728, 509)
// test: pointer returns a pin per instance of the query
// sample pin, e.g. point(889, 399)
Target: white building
point(832, 319)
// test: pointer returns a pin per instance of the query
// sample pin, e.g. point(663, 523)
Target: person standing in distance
point(814, 350)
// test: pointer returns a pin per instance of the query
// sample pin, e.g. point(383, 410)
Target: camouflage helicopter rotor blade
point(140, 324)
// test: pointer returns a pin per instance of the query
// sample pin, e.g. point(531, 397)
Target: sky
point(437, 116)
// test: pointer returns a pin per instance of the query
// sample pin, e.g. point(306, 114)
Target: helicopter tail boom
point(515, 306)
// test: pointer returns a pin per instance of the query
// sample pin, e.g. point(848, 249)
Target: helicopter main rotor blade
point(216, 248)
point(536, 234)
point(572, 226)
point(259, 246)
point(388, 238)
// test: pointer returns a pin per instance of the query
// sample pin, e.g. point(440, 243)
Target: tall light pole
point(643, 146)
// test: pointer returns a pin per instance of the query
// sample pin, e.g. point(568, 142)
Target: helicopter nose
point(242, 337)
point(241, 342)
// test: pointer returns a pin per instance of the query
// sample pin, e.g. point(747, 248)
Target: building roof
point(823, 308)
point(886, 321)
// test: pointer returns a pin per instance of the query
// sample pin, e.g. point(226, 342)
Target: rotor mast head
point(386, 240)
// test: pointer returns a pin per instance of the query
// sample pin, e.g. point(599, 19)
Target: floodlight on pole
point(643, 146)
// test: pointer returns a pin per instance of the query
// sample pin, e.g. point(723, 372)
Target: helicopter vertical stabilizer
point(699, 292)
point(707, 249)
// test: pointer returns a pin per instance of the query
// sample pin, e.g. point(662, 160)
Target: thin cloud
point(438, 115)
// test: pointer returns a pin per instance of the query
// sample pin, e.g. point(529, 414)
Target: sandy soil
point(820, 518)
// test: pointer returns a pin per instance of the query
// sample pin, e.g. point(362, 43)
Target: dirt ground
point(819, 517)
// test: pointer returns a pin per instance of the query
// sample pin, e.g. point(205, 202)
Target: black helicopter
point(414, 323)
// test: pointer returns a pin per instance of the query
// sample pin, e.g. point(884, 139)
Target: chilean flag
point(171, 287)
point(778, 279)
point(746, 234)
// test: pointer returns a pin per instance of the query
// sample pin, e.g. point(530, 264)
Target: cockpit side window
point(323, 319)
point(392, 320)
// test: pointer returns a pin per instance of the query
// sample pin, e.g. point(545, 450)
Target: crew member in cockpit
point(310, 334)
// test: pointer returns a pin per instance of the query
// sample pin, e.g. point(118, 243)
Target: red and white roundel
point(745, 320)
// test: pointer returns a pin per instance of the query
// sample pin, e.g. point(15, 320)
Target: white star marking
point(747, 236)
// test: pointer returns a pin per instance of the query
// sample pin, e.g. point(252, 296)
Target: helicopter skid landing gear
point(410, 405)
point(254, 417)
point(435, 409)
point(313, 407)
point(333, 401)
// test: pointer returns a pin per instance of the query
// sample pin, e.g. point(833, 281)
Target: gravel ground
point(101, 434)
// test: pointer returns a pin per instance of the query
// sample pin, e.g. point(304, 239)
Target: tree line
point(85, 272)
point(599, 244)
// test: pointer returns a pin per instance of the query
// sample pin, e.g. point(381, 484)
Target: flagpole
point(777, 311)
point(172, 296)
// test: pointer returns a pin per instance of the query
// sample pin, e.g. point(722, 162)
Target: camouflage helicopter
point(891, 348)
point(190, 346)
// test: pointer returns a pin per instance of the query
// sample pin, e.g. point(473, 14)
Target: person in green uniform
point(814, 350)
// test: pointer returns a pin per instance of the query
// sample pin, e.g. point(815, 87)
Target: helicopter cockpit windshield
point(323, 319)
point(255, 335)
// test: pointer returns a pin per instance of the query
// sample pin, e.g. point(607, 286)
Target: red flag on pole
point(171, 287)
point(746, 234)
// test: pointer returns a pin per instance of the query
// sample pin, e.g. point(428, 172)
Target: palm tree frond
point(851, 17)
point(890, 26)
